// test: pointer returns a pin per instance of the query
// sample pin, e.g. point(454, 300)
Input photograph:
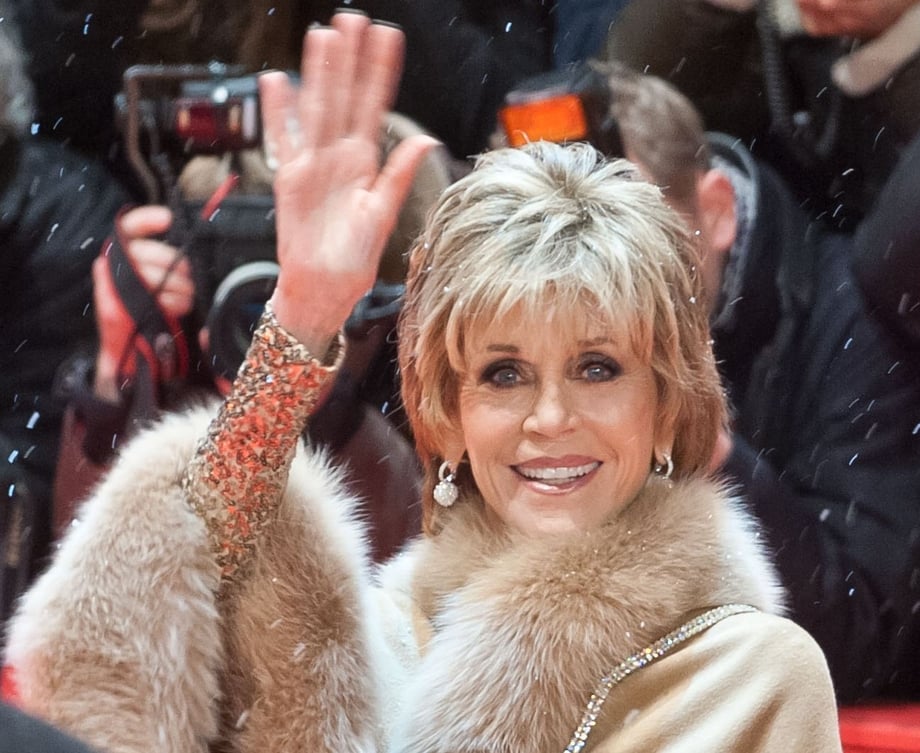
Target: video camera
point(169, 114)
point(564, 105)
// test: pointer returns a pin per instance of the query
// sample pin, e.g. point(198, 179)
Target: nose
point(552, 412)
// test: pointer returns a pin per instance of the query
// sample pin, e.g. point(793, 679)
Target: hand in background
point(335, 204)
point(152, 260)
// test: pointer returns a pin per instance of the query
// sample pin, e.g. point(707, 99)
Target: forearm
point(236, 479)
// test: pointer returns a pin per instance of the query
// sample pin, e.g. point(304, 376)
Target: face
point(862, 19)
point(558, 422)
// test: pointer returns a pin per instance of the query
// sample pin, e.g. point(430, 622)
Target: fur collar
point(869, 65)
point(523, 629)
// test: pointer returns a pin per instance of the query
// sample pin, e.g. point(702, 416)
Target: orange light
point(557, 119)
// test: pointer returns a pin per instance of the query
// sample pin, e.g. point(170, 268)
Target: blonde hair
point(562, 224)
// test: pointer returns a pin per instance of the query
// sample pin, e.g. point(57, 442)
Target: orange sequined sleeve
point(239, 471)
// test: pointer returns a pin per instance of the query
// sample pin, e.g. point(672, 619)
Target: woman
point(557, 373)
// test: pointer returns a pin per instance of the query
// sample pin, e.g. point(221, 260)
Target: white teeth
point(554, 474)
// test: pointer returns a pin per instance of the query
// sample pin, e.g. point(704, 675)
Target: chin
point(552, 525)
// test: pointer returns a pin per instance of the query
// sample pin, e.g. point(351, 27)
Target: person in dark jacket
point(824, 92)
point(56, 209)
point(825, 439)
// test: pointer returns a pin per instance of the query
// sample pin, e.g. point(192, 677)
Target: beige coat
point(475, 640)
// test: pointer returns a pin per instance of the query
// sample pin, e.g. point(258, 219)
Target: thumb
point(395, 180)
point(143, 222)
point(114, 324)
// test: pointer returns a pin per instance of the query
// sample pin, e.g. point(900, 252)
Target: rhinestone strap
point(239, 471)
point(643, 658)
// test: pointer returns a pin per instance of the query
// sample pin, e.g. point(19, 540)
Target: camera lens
point(238, 303)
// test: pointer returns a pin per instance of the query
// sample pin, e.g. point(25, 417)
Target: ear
point(716, 206)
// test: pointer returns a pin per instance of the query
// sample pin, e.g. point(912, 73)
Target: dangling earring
point(665, 468)
point(446, 491)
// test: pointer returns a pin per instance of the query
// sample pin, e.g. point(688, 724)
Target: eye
point(501, 374)
point(594, 367)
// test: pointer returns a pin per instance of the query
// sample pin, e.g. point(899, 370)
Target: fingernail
point(391, 24)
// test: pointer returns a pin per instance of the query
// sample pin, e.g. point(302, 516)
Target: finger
point(317, 99)
point(103, 287)
point(156, 263)
point(113, 322)
point(377, 77)
point(395, 179)
point(175, 279)
point(352, 26)
point(143, 222)
point(276, 96)
point(174, 303)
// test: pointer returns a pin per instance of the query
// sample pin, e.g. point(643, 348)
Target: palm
point(326, 204)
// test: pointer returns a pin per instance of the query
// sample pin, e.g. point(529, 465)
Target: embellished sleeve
point(236, 479)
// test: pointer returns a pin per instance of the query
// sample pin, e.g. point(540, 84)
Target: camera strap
point(158, 337)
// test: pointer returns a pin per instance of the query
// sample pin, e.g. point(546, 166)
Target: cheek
point(629, 424)
point(488, 425)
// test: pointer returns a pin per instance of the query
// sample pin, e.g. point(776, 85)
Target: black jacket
point(828, 441)
point(56, 210)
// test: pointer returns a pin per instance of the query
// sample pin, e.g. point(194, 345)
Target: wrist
point(314, 327)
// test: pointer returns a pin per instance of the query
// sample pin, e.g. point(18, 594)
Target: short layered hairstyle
point(564, 226)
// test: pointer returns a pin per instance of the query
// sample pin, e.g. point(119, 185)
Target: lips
point(556, 473)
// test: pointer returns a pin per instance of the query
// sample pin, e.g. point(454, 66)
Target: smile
point(565, 473)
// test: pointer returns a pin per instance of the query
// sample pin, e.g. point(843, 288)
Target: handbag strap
point(643, 658)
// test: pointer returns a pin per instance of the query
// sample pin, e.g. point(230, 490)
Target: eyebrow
point(507, 348)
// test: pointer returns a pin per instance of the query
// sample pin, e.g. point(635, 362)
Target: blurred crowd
point(785, 132)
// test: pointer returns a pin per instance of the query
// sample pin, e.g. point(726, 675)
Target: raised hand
point(335, 204)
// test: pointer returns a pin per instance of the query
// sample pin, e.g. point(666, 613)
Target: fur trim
point(525, 628)
point(300, 650)
point(127, 600)
point(870, 66)
point(124, 644)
